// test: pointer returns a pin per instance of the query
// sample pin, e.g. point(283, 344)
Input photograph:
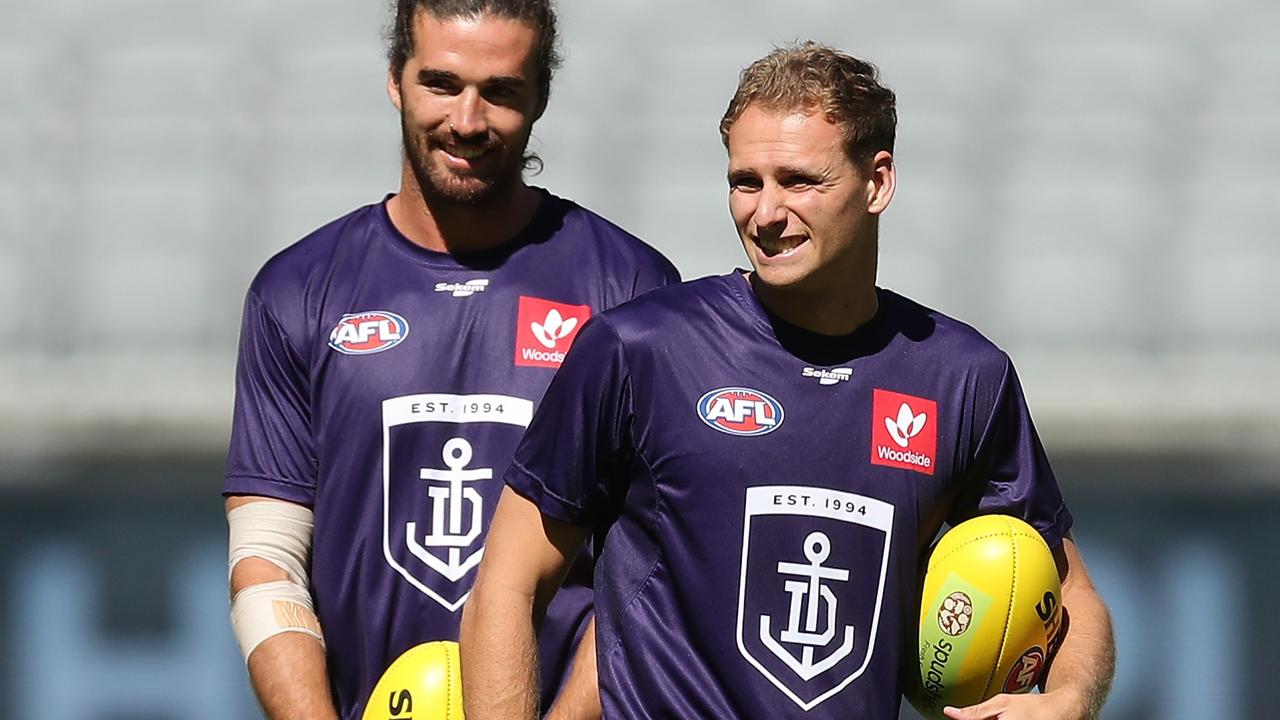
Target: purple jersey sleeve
point(1010, 472)
point(571, 460)
point(272, 453)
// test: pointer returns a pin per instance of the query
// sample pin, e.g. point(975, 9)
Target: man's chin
point(776, 277)
point(455, 190)
point(454, 195)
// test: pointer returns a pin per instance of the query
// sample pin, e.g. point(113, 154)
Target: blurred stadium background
point(1096, 185)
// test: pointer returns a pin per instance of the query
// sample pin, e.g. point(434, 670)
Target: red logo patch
point(904, 431)
point(545, 330)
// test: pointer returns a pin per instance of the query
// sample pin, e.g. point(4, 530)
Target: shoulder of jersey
point(290, 271)
point(658, 312)
point(949, 338)
point(589, 225)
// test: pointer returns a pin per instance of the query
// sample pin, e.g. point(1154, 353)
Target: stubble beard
point(440, 186)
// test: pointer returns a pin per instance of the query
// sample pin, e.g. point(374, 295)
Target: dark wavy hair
point(809, 77)
point(540, 14)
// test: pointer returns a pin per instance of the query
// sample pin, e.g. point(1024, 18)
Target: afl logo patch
point(1025, 672)
point(369, 332)
point(740, 411)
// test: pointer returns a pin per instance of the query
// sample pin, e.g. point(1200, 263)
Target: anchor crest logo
point(448, 503)
point(439, 485)
point(814, 562)
point(809, 595)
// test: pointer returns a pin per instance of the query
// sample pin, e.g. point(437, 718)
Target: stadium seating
point(1094, 176)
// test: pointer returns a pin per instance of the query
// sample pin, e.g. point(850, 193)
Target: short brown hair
point(808, 77)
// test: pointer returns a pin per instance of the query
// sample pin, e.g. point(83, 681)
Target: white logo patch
point(814, 562)
point(432, 466)
point(828, 377)
point(552, 328)
point(907, 426)
point(466, 289)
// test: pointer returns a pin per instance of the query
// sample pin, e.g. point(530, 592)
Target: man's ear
point(881, 182)
point(393, 88)
point(541, 108)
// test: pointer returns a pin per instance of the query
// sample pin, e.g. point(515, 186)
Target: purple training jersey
point(767, 494)
point(386, 387)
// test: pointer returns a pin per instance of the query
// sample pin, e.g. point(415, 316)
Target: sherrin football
point(424, 683)
point(990, 614)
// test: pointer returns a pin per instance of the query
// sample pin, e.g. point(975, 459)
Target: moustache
point(485, 142)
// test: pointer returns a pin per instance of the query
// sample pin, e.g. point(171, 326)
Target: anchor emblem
point(808, 597)
point(814, 566)
point(448, 503)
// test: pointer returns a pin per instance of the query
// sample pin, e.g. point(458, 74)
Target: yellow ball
point(990, 614)
point(424, 683)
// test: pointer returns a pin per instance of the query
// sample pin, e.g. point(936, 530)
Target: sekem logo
point(740, 411)
point(368, 332)
point(466, 289)
point(546, 329)
point(828, 377)
point(904, 431)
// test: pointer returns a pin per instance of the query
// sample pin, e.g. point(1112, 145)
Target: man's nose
point(771, 211)
point(468, 118)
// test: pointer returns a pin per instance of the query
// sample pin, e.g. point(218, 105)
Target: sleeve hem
point(1055, 533)
point(531, 488)
point(268, 487)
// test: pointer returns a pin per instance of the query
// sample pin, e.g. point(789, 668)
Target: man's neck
point(822, 312)
point(454, 228)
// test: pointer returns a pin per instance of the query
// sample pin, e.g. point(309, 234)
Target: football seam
point(1008, 615)
point(448, 683)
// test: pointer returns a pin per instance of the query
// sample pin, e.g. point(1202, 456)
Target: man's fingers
point(988, 710)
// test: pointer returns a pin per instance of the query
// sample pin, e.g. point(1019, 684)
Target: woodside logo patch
point(545, 330)
point(904, 431)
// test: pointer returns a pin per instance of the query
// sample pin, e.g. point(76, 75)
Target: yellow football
point(424, 683)
point(990, 614)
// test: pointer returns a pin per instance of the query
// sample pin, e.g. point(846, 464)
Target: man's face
point(468, 98)
point(802, 208)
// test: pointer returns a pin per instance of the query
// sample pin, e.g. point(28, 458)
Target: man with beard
point(389, 363)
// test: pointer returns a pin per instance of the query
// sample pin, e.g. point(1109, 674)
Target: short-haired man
point(768, 454)
point(389, 363)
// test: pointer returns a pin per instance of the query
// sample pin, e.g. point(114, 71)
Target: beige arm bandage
point(280, 533)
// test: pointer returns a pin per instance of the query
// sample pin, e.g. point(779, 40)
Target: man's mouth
point(466, 152)
point(780, 246)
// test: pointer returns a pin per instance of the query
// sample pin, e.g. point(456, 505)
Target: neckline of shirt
point(487, 259)
point(807, 344)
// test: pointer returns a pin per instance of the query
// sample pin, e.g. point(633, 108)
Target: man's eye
point(744, 184)
point(500, 94)
point(799, 181)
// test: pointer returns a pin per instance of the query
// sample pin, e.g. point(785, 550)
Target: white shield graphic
point(440, 455)
point(814, 562)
